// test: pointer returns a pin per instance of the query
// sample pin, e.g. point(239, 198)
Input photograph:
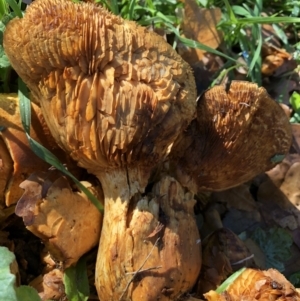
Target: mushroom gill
point(239, 132)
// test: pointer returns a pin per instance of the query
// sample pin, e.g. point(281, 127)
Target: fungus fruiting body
point(115, 96)
point(239, 132)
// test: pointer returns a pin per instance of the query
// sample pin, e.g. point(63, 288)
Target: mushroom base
point(150, 247)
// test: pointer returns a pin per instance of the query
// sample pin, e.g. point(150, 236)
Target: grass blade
point(229, 281)
point(15, 7)
point(76, 281)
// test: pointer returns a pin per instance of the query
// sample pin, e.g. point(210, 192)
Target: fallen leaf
point(276, 60)
point(59, 216)
point(223, 253)
point(200, 25)
point(50, 285)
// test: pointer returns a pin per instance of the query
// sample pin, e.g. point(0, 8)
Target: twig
point(139, 270)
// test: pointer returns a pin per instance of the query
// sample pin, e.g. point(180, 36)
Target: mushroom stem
point(149, 247)
point(119, 186)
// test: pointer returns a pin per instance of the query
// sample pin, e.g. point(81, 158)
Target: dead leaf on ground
point(291, 185)
point(269, 33)
point(60, 216)
point(200, 25)
point(296, 139)
point(50, 285)
point(276, 61)
point(223, 253)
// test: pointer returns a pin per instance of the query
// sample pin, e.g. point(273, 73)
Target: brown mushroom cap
point(238, 133)
point(112, 92)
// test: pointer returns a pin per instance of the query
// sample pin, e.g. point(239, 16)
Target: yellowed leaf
point(200, 25)
point(61, 217)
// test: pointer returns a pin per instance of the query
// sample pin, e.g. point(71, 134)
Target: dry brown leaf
point(291, 185)
point(223, 253)
point(50, 285)
point(276, 60)
point(67, 222)
point(200, 25)
point(296, 140)
point(280, 194)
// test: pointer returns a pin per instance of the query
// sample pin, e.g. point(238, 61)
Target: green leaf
point(275, 244)
point(4, 62)
point(239, 10)
point(277, 158)
point(25, 108)
point(131, 9)
point(230, 12)
point(295, 101)
point(15, 7)
point(229, 281)
point(3, 8)
point(7, 279)
point(76, 281)
point(27, 293)
point(264, 20)
point(8, 290)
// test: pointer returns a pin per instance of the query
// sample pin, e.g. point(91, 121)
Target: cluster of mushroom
point(122, 103)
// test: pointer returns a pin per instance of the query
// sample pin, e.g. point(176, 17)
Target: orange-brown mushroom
point(116, 97)
point(257, 285)
point(239, 132)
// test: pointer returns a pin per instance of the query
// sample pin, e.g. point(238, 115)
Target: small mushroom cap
point(238, 133)
point(112, 92)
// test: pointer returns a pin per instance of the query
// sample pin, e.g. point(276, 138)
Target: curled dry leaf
point(239, 132)
point(257, 285)
point(66, 221)
point(291, 185)
point(50, 286)
point(276, 60)
point(223, 253)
